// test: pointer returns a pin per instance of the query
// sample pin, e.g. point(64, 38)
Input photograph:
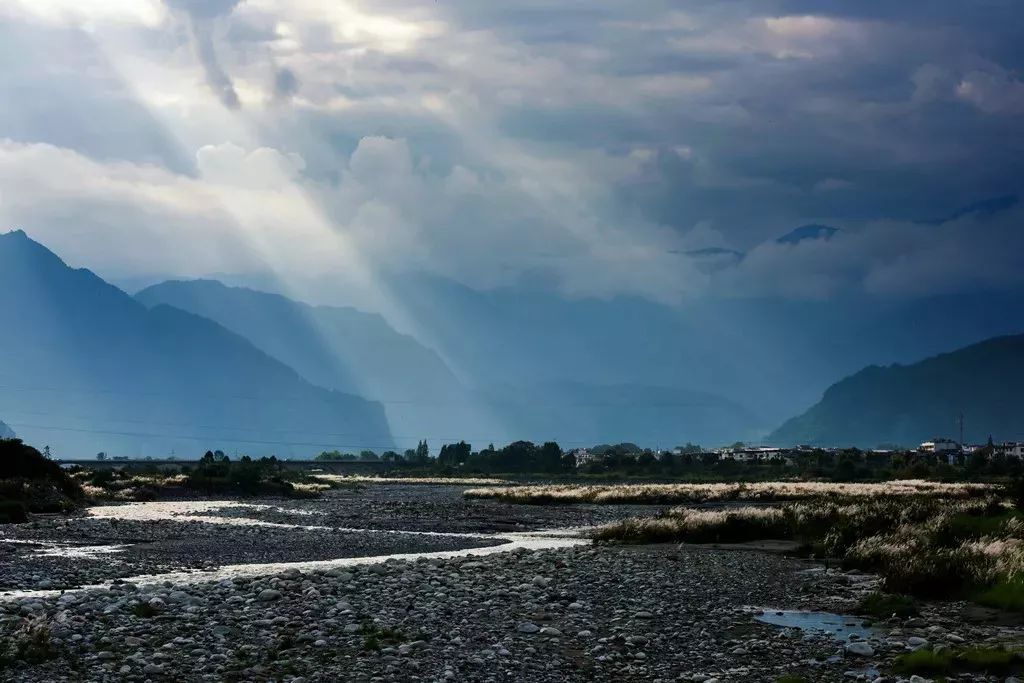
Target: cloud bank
point(612, 149)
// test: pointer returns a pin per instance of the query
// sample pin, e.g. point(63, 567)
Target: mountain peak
point(907, 404)
point(811, 231)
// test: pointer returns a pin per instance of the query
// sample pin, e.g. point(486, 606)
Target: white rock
point(860, 648)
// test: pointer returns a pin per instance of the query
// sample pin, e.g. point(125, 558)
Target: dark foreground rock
point(577, 614)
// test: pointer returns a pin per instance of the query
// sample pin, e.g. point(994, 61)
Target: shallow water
point(205, 511)
point(839, 626)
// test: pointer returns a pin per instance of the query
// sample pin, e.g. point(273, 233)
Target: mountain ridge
point(341, 348)
point(906, 404)
point(91, 369)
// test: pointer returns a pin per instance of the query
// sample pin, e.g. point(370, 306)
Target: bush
point(924, 662)
point(885, 605)
point(700, 526)
point(1006, 594)
point(30, 482)
point(989, 660)
point(13, 512)
point(30, 643)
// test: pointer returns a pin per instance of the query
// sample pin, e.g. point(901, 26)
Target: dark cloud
point(201, 16)
point(661, 127)
point(286, 83)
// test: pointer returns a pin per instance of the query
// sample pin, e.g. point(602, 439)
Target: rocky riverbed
point(574, 613)
point(122, 541)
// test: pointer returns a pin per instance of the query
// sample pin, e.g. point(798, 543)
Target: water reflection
point(839, 626)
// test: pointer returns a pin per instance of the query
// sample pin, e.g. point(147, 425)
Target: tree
point(454, 455)
point(392, 457)
point(550, 457)
point(101, 456)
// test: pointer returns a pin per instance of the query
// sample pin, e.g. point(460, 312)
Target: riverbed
point(413, 583)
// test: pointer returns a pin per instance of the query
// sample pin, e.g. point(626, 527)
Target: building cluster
point(953, 451)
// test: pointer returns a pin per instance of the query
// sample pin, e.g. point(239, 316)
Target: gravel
point(582, 613)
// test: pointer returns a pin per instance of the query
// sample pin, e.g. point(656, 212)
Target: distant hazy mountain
point(354, 351)
point(6, 432)
point(907, 404)
point(985, 208)
point(85, 368)
point(340, 348)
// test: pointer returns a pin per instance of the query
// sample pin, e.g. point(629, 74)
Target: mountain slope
point(907, 404)
point(812, 231)
point(86, 368)
point(347, 349)
point(6, 432)
point(340, 348)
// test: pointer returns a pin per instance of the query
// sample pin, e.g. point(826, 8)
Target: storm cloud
point(601, 149)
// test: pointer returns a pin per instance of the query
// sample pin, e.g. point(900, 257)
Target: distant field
point(667, 494)
point(454, 481)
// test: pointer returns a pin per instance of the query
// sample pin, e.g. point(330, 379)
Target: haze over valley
point(497, 342)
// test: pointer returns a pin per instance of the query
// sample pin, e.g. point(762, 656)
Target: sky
point(596, 148)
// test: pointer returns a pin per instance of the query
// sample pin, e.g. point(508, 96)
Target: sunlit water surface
point(205, 511)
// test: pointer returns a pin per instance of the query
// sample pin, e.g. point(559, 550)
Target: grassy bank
point(670, 494)
point(30, 482)
point(206, 477)
point(445, 481)
point(925, 545)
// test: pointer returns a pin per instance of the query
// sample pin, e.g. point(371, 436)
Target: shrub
point(885, 605)
point(924, 662)
point(13, 512)
point(990, 660)
point(700, 526)
point(1006, 594)
point(30, 643)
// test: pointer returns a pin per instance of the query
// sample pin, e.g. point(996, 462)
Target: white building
point(939, 446)
point(1011, 450)
point(584, 457)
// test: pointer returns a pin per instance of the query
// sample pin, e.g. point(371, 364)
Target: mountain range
point(339, 348)
point(346, 349)
point(6, 432)
point(84, 367)
point(908, 404)
point(187, 365)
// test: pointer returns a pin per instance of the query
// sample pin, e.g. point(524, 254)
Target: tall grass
point(924, 546)
point(372, 479)
point(669, 494)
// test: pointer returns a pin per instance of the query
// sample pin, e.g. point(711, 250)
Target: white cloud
point(887, 259)
point(490, 144)
point(253, 210)
point(993, 91)
point(143, 12)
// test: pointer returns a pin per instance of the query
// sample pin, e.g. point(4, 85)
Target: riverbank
point(120, 541)
point(582, 613)
point(578, 612)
